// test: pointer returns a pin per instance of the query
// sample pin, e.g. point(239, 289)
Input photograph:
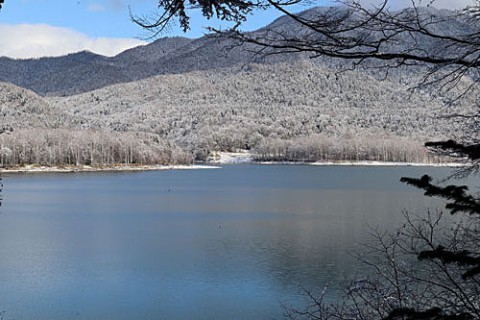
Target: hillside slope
point(291, 111)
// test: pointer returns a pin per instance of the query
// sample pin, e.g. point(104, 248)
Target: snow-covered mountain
point(179, 99)
point(85, 71)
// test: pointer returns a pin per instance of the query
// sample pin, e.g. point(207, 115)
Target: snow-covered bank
point(247, 157)
point(386, 164)
point(119, 168)
point(221, 158)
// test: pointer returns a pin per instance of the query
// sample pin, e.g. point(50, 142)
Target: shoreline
point(244, 157)
point(389, 164)
point(117, 168)
point(213, 165)
point(360, 164)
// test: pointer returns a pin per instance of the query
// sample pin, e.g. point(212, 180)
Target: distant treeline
point(54, 147)
point(324, 148)
point(57, 147)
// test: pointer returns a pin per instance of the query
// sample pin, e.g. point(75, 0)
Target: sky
point(38, 28)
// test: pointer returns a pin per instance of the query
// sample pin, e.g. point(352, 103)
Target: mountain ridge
point(86, 71)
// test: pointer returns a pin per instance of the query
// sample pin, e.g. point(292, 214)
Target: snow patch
point(230, 157)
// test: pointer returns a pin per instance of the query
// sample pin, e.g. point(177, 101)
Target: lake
point(231, 243)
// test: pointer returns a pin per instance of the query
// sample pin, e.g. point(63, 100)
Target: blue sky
point(106, 18)
point(35, 28)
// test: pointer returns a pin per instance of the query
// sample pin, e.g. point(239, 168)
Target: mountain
point(85, 71)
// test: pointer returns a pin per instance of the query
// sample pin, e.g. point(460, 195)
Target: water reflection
point(229, 243)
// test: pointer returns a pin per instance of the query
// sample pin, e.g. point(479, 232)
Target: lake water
point(230, 243)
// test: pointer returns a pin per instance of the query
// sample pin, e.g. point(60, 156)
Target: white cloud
point(41, 40)
point(95, 7)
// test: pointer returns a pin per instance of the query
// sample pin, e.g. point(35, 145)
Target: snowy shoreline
point(245, 157)
point(225, 160)
point(360, 164)
point(119, 168)
point(388, 164)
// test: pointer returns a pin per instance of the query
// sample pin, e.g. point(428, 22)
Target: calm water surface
point(230, 243)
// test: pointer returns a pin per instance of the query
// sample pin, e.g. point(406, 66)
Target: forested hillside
point(288, 111)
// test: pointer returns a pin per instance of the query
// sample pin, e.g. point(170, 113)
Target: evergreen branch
point(456, 149)
point(462, 258)
point(462, 202)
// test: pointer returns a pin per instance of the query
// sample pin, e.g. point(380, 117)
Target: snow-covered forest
point(178, 100)
point(298, 111)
